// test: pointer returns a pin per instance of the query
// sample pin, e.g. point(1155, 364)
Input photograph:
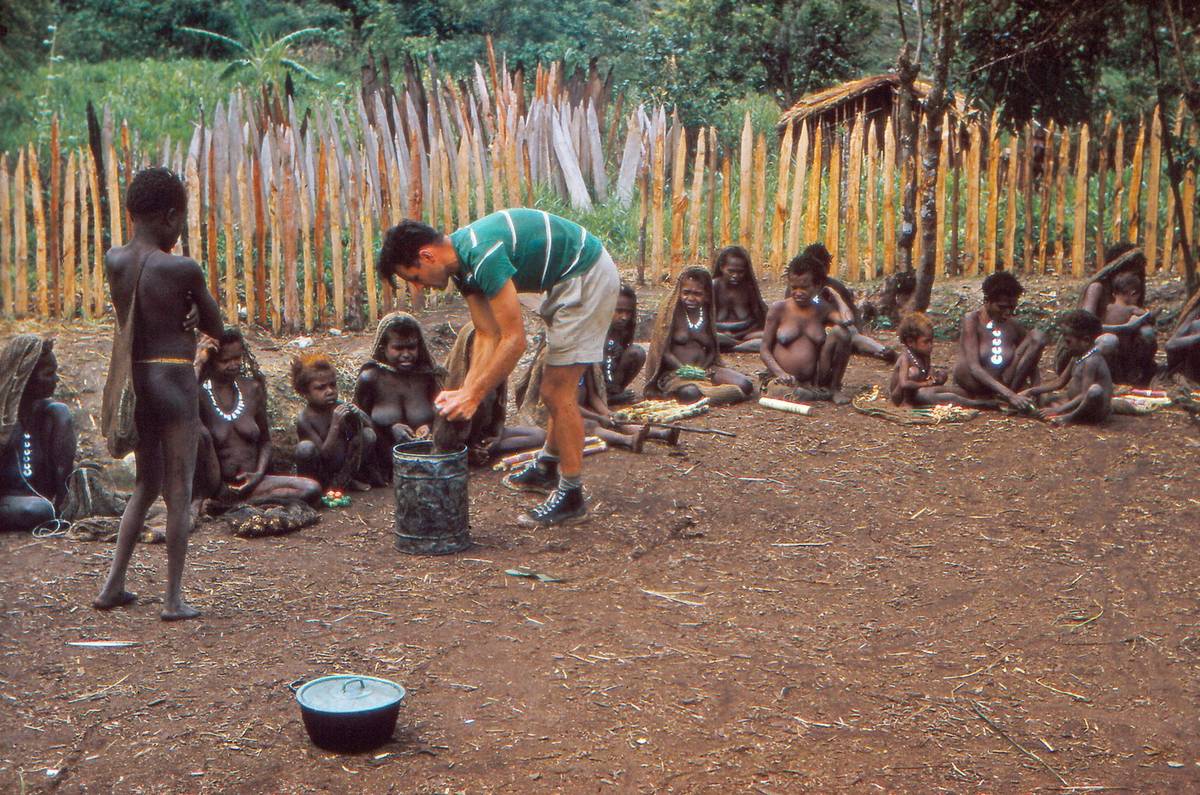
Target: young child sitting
point(915, 382)
point(1129, 330)
point(336, 440)
point(1088, 381)
point(396, 387)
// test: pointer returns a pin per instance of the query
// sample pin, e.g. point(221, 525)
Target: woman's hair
point(724, 254)
point(1081, 323)
point(1127, 282)
point(1001, 284)
point(914, 326)
point(627, 291)
point(308, 366)
point(813, 260)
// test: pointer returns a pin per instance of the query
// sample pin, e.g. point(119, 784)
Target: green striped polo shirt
point(535, 249)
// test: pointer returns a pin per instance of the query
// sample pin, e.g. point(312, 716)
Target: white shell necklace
point(610, 359)
point(26, 455)
point(699, 324)
point(238, 409)
point(923, 370)
point(997, 358)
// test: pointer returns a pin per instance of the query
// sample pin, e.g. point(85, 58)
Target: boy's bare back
point(169, 287)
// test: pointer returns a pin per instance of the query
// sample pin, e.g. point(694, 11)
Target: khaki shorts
point(578, 313)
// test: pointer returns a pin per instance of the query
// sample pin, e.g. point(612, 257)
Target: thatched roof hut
point(875, 95)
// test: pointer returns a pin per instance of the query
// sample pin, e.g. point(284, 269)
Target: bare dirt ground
point(831, 603)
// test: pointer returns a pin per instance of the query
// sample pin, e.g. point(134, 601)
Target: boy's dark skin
point(688, 347)
point(240, 453)
point(52, 432)
point(622, 362)
point(798, 349)
point(171, 288)
point(400, 403)
point(918, 383)
point(325, 429)
point(1089, 386)
point(1022, 350)
point(1132, 340)
point(1183, 351)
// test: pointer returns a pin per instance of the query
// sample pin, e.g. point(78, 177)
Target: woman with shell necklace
point(235, 450)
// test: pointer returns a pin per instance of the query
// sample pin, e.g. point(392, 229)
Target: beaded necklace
point(238, 409)
point(997, 358)
point(912, 358)
point(699, 324)
point(26, 455)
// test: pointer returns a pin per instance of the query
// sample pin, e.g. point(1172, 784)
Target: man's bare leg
point(179, 449)
point(149, 458)
point(559, 386)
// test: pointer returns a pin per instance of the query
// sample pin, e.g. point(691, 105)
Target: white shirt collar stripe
point(549, 245)
point(578, 254)
point(511, 228)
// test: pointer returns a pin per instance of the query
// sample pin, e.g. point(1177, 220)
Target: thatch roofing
point(869, 95)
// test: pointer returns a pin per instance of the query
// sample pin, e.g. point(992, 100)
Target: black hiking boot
point(563, 507)
point(538, 476)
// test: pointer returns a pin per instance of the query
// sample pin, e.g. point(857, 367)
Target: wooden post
point(115, 204)
point(745, 181)
point(363, 270)
point(696, 202)
point(231, 291)
point(319, 224)
point(1010, 205)
point(872, 188)
point(940, 195)
point(974, 162)
point(799, 181)
point(643, 188)
point(781, 199)
point(812, 206)
point(1153, 186)
point(54, 231)
point(39, 234)
point(336, 260)
point(1134, 221)
point(1027, 183)
point(656, 209)
point(833, 211)
point(679, 201)
point(991, 218)
point(21, 236)
point(1047, 196)
point(1060, 201)
point(710, 195)
point(1189, 187)
point(260, 241)
point(245, 210)
point(853, 178)
point(97, 237)
point(306, 253)
point(210, 263)
point(1079, 221)
point(888, 208)
point(759, 213)
point(1101, 189)
point(290, 217)
point(726, 202)
point(1172, 210)
point(67, 263)
point(6, 238)
point(955, 163)
point(85, 258)
point(1118, 184)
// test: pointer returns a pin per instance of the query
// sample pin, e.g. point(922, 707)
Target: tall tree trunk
point(945, 12)
point(906, 124)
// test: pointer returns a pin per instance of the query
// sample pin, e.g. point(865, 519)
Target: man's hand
point(456, 404)
point(1021, 403)
point(422, 432)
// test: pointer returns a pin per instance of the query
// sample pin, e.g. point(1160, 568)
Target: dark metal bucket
point(432, 516)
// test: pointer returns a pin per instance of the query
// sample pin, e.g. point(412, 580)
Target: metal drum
point(432, 506)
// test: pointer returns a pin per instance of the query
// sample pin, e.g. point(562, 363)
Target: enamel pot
point(349, 713)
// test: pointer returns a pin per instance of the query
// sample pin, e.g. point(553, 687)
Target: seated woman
point(741, 311)
point(997, 356)
point(1183, 349)
point(396, 387)
point(336, 442)
point(684, 360)
point(235, 445)
point(1130, 350)
point(622, 359)
point(37, 435)
point(806, 345)
point(915, 381)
